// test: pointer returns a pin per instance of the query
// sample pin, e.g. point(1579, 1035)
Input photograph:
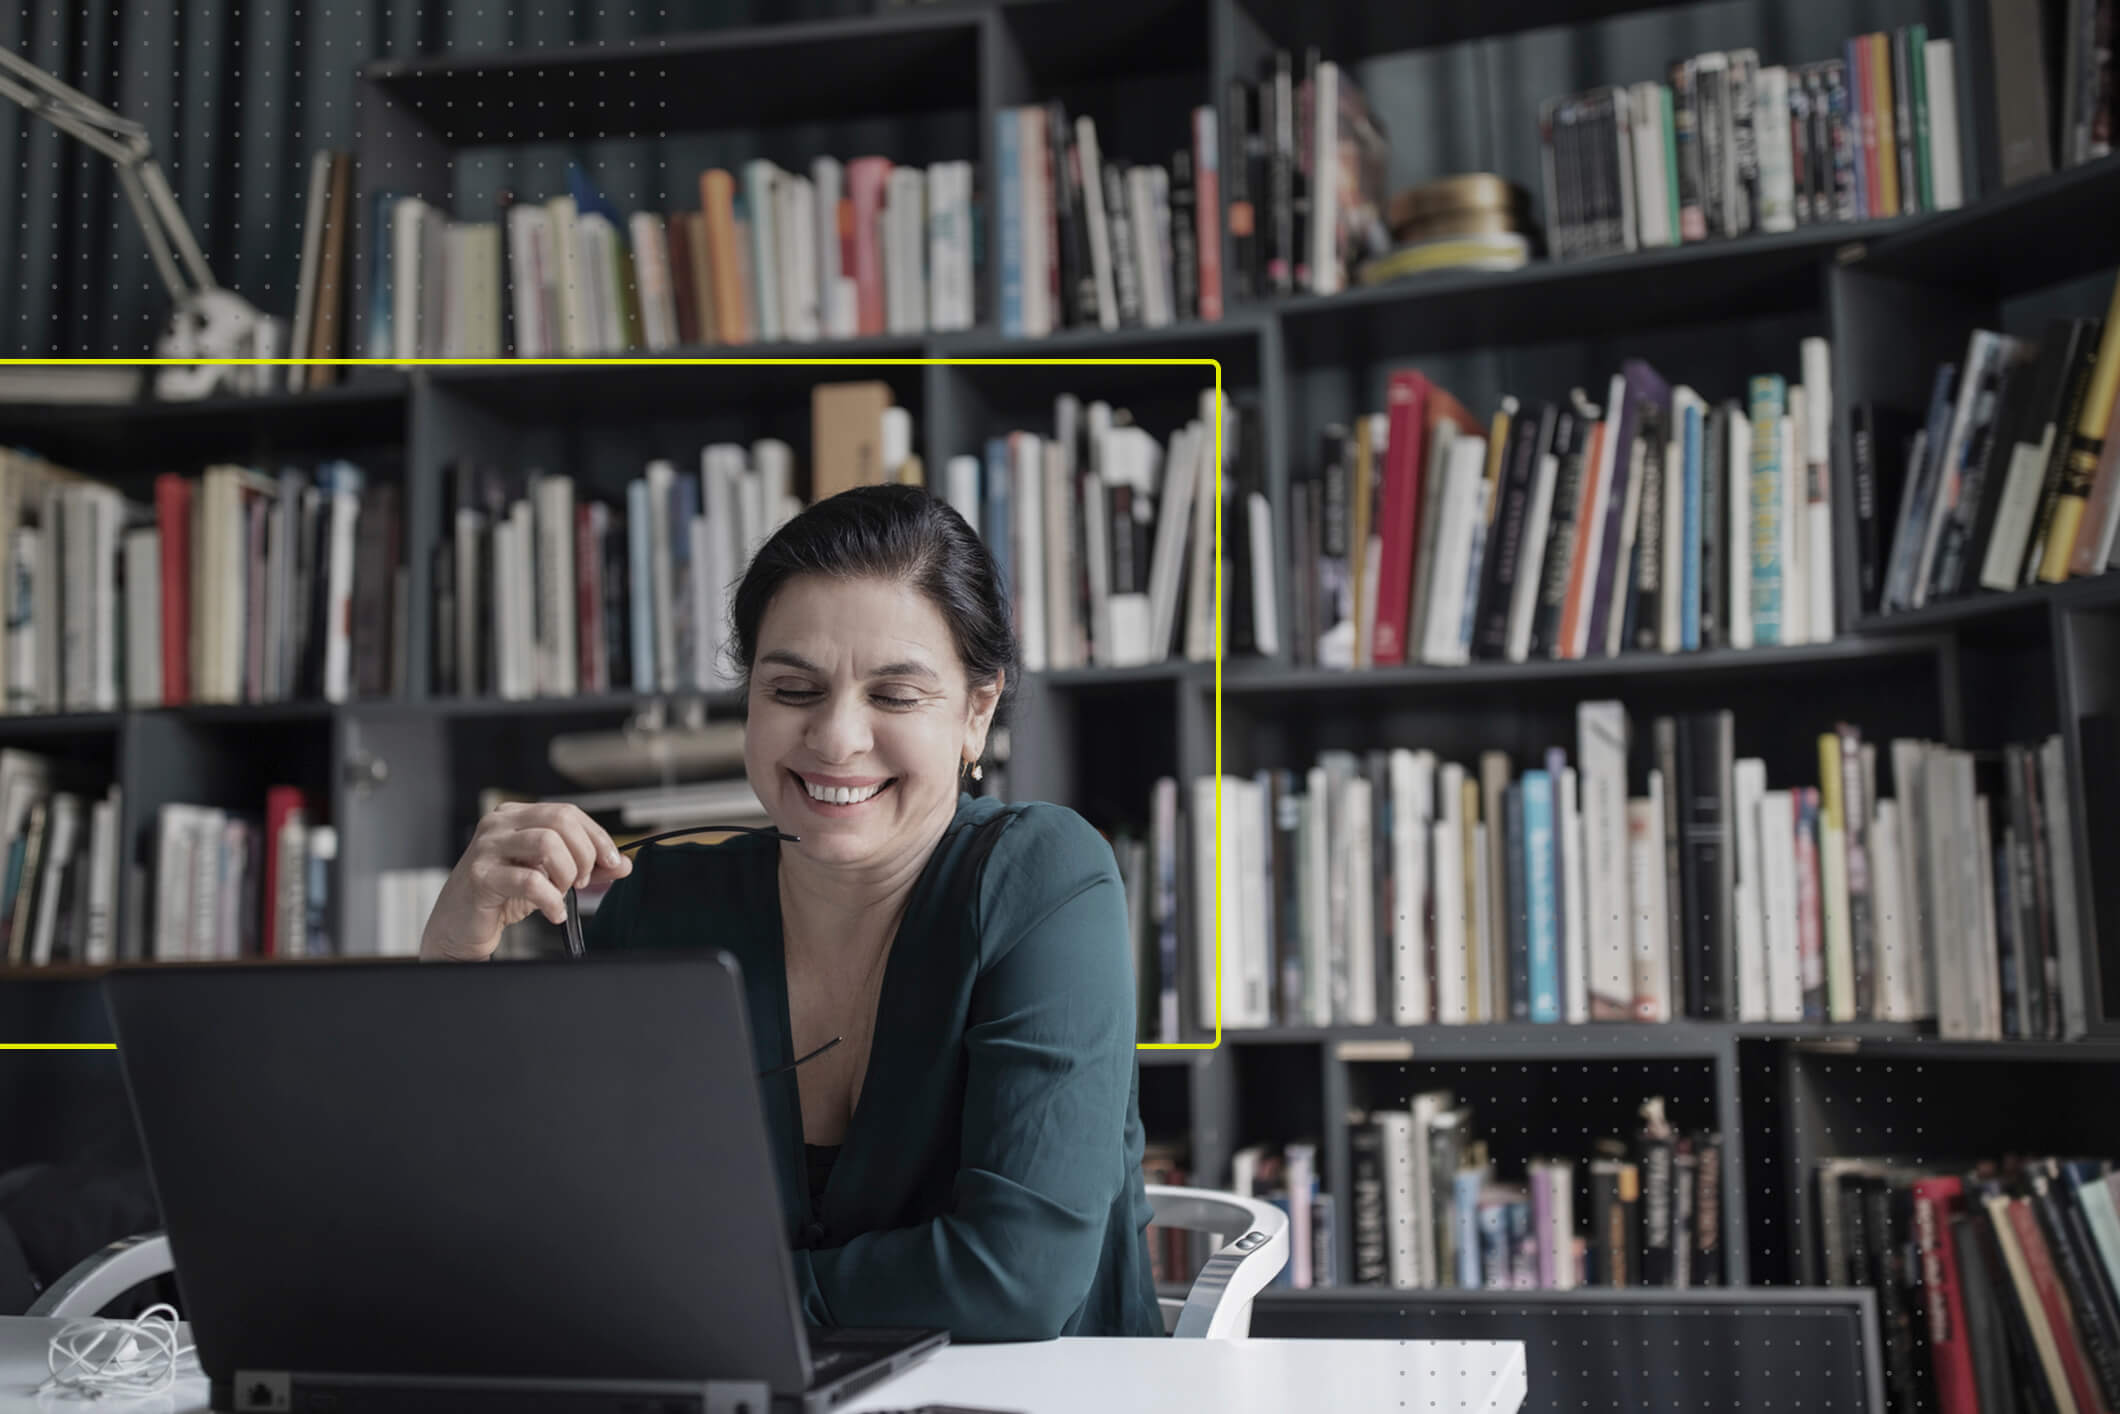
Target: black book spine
point(1983, 1321)
point(1377, 765)
point(1499, 563)
point(1126, 272)
point(1240, 152)
point(1288, 898)
point(1707, 1211)
point(1303, 576)
point(1862, 438)
point(1685, 128)
point(1647, 608)
point(444, 630)
point(1569, 437)
point(1685, 1192)
point(1671, 764)
point(1657, 1207)
point(1708, 746)
point(1070, 247)
point(1855, 833)
point(1366, 1172)
point(1184, 236)
point(1281, 174)
point(1887, 1276)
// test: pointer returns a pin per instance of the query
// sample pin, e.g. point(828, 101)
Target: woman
point(969, 1155)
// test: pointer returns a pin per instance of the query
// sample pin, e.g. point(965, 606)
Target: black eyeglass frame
point(576, 948)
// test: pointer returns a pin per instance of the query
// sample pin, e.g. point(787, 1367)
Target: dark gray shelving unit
point(925, 83)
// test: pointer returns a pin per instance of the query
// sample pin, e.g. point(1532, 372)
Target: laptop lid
point(552, 1168)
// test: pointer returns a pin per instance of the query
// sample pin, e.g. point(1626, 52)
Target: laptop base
point(276, 1392)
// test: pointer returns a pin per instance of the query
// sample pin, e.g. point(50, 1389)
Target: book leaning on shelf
point(59, 863)
point(239, 585)
point(1728, 147)
point(2010, 477)
point(1104, 534)
point(1394, 887)
point(1654, 522)
point(847, 249)
point(1998, 1282)
point(1305, 199)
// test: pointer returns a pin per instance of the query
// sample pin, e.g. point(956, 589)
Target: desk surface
point(1099, 1376)
point(1228, 1377)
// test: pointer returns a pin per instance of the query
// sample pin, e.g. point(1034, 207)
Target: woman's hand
point(522, 860)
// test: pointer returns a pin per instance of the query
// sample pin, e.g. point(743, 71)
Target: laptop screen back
point(550, 1168)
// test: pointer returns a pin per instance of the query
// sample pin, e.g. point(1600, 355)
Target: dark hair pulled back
point(892, 532)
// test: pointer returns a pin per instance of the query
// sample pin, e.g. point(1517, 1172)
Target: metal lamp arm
point(125, 143)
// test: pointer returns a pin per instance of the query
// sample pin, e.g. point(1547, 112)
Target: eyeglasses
point(574, 919)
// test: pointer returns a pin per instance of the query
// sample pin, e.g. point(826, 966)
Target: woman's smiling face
point(860, 717)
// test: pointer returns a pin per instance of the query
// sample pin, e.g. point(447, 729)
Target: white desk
point(1215, 1377)
point(1055, 1377)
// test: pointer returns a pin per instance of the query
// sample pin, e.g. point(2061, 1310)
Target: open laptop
point(536, 1185)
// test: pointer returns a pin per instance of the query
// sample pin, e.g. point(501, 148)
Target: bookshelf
point(399, 776)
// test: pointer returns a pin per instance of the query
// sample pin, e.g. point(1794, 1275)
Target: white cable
point(95, 1357)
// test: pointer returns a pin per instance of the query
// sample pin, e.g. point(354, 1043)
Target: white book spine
point(1737, 495)
point(1795, 522)
point(1353, 837)
point(1575, 958)
point(1645, 860)
point(1777, 842)
point(1453, 1002)
point(1946, 175)
point(1397, 1150)
point(1653, 212)
point(1318, 941)
point(1895, 1000)
point(1817, 355)
point(1770, 128)
point(1601, 729)
point(1412, 776)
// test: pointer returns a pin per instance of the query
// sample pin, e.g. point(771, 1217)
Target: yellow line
point(58, 1046)
point(625, 362)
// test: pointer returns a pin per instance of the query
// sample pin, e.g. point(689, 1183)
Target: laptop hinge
point(281, 1392)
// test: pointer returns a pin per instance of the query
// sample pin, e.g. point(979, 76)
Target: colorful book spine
point(1770, 398)
point(1543, 896)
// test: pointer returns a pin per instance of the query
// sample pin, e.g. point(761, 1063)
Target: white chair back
point(1255, 1248)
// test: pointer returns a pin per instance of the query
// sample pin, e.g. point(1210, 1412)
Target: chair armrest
point(1218, 1307)
point(96, 1280)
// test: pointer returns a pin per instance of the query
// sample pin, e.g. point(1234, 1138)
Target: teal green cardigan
point(989, 1182)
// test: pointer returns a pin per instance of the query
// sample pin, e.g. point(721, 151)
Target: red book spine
point(1866, 101)
point(1207, 208)
point(1406, 407)
point(2061, 1322)
point(173, 521)
point(868, 178)
point(280, 802)
point(588, 604)
point(1936, 1201)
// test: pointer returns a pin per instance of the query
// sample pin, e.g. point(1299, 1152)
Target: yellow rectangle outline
point(624, 362)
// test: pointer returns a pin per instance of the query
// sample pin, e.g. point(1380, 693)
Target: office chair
point(1218, 1306)
point(101, 1277)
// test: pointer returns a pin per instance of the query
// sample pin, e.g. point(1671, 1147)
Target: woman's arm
point(1051, 1042)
